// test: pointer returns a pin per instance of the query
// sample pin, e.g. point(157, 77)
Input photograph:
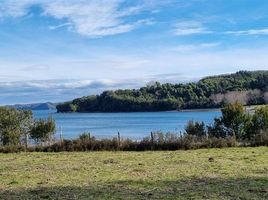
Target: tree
point(43, 129)
point(13, 125)
point(234, 119)
point(217, 129)
point(85, 137)
point(9, 127)
point(258, 122)
point(26, 123)
point(196, 129)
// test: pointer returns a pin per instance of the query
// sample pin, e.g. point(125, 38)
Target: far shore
point(199, 110)
point(249, 108)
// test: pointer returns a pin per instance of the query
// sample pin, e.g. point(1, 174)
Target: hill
point(35, 106)
point(246, 87)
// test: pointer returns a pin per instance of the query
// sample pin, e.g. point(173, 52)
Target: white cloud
point(13, 8)
point(189, 28)
point(190, 65)
point(249, 32)
point(185, 28)
point(195, 47)
point(93, 18)
point(196, 59)
point(59, 26)
point(62, 90)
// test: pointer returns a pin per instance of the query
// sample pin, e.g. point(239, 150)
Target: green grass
point(234, 173)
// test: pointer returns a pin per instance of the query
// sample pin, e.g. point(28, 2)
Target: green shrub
point(11, 149)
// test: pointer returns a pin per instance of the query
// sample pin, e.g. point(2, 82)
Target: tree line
point(248, 88)
point(235, 127)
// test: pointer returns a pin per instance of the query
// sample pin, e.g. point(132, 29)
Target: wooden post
point(152, 141)
point(61, 135)
point(26, 141)
point(119, 140)
point(261, 138)
point(49, 139)
point(89, 145)
point(181, 137)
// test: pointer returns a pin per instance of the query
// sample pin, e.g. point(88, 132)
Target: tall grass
point(157, 141)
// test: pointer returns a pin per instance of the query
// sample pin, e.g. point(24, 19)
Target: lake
point(130, 125)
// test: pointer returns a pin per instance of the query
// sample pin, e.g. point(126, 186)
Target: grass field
point(234, 173)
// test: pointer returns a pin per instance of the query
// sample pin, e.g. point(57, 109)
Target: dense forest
point(245, 87)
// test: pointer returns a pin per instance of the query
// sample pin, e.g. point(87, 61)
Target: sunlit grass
point(233, 173)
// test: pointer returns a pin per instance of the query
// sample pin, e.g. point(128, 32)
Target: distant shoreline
point(200, 110)
point(248, 107)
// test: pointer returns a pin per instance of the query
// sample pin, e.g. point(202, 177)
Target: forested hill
point(247, 87)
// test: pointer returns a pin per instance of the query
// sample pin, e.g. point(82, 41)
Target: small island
point(245, 87)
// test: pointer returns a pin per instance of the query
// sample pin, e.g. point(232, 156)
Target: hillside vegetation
point(233, 173)
point(248, 88)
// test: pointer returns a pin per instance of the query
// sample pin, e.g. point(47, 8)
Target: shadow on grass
point(206, 188)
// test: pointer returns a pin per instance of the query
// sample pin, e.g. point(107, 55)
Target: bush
point(260, 139)
point(43, 130)
point(11, 149)
point(196, 129)
point(221, 142)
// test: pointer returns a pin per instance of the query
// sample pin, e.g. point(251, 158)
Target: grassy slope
point(234, 173)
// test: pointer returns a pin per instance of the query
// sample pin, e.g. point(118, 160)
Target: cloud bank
point(63, 90)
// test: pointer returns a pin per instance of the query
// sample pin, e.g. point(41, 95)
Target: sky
point(62, 49)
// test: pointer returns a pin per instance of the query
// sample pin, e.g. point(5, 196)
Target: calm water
point(130, 125)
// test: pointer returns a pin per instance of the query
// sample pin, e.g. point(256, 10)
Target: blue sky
point(61, 49)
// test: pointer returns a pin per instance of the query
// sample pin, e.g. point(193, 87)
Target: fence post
point(61, 135)
point(26, 141)
point(152, 141)
point(119, 140)
point(181, 138)
point(50, 139)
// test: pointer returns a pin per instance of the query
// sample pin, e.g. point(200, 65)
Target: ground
point(233, 173)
